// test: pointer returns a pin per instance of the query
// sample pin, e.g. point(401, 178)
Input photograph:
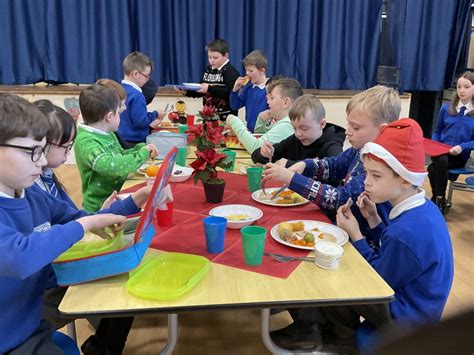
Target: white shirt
point(135, 86)
point(468, 107)
point(411, 202)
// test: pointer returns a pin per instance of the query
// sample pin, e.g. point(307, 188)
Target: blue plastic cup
point(214, 229)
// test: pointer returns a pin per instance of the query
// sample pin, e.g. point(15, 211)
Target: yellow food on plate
point(298, 226)
point(238, 217)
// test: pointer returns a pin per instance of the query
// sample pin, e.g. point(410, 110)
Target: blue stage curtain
point(324, 44)
point(174, 34)
point(428, 37)
point(87, 40)
point(22, 40)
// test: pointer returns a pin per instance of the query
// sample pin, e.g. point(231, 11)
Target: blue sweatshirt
point(455, 130)
point(253, 98)
point(415, 258)
point(135, 120)
point(34, 231)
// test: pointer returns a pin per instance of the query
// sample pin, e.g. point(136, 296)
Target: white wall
point(335, 107)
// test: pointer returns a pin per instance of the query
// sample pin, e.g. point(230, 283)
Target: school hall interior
point(419, 48)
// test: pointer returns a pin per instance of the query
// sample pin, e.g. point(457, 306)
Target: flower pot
point(214, 192)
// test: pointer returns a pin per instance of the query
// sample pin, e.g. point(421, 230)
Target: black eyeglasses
point(36, 151)
point(67, 148)
point(147, 76)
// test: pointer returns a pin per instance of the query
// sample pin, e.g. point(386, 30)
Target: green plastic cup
point(232, 154)
point(253, 241)
point(254, 178)
point(181, 156)
point(182, 128)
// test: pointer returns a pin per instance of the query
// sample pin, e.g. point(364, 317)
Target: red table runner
point(186, 234)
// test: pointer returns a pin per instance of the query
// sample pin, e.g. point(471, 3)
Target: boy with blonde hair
point(135, 120)
point(313, 137)
point(367, 113)
point(249, 91)
point(103, 163)
point(281, 95)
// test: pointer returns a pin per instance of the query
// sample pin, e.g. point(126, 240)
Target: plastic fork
point(263, 183)
point(286, 259)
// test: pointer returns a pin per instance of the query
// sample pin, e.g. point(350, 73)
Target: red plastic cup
point(190, 120)
point(165, 218)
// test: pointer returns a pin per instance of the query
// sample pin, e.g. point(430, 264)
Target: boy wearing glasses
point(35, 228)
point(135, 120)
point(103, 163)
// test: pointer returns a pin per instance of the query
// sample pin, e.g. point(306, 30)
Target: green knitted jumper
point(104, 164)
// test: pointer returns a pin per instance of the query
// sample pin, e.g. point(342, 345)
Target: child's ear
point(287, 102)
point(323, 123)
point(108, 116)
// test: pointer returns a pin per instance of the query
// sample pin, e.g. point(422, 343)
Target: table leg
point(270, 345)
point(172, 335)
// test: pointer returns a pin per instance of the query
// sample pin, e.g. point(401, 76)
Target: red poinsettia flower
point(214, 134)
point(208, 111)
point(194, 131)
point(210, 156)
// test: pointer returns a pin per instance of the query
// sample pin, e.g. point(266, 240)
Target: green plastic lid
point(86, 249)
point(167, 276)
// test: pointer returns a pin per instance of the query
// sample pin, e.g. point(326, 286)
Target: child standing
point(455, 127)
point(135, 121)
point(249, 90)
point(281, 95)
point(28, 243)
point(313, 138)
point(367, 112)
point(102, 162)
point(218, 79)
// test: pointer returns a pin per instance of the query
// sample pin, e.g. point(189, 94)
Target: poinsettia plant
point(207, 137)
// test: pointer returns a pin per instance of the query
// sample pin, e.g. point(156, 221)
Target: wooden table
point(355, 282)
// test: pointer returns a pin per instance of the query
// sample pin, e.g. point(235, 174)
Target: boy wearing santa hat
point(414, 255)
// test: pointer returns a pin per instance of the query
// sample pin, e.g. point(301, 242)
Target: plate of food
point(303, 234)
point(285, 198)
point(168, 125)
point(195, 86)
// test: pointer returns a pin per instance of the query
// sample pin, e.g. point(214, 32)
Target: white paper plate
point(192, 85)
point(340, 234)
point(256, 196)
point(254, 214)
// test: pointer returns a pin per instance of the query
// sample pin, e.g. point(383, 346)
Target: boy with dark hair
point(135, 121)
point(249, 91)
point(103, 163)
point(313, 138)
point(281, 95)
point(35, 228)
point(218, 79)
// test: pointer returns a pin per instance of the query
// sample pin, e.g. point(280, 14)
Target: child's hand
point(282, 162)
point(141, 196)
point(97, 223)
point(155, 124)
point(204, 88)
point(153, 151)
point(298, 167)
point(240, 82)
point(267, 149)
point(346, 220)
point(111, 199)
point(265, 115)
point(456, 150)
point(368, 209)
point(278, 173)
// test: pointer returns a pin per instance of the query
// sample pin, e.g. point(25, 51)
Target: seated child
point(60, 138)
point(281, 95)
point(455, 127)
point(414, 256)
point(218, 79)
point(265, 120)
point(367, 112)
point(35, 228)
point(313, 138)
point(249, 91)
point(103, 163)
point(135, 120)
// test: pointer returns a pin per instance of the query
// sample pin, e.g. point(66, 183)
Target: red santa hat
point(400, 146)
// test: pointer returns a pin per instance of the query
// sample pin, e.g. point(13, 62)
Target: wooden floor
point(238, 332)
